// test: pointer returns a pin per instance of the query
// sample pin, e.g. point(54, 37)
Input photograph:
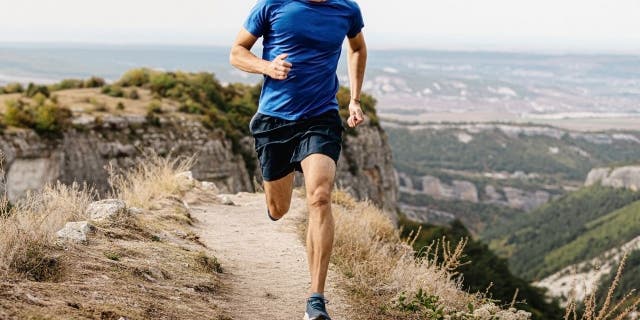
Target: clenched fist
point(279, 68)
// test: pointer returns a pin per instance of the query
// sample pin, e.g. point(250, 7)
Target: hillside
point(486, 174)
point(575, 227)
point(485, 271)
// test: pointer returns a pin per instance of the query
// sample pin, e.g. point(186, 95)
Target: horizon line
point(453, 49)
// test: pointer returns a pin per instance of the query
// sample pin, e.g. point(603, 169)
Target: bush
point(135, 77)
point(120, 106)
point(13, 88)
point(113, 91)
point(154, 107)
point(67, 84)
point(162, 82)
point(94, 82)
point(39, 99)
point(33, 89)
point(44, 118)
point(191, 106)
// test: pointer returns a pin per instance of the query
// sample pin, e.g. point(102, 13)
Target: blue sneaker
point(316, 308)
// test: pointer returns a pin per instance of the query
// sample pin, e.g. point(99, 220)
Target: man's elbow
point(233, 56)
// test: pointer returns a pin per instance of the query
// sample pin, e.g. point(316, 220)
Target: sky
point(592, 26)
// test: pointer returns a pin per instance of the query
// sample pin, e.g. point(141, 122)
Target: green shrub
point(161, 83)
point(154, 107)
point(33, 89)
point(113, 91)
point(45, 118)
point(191, 106)
point(67, 84)
point(16, 114)
point(135, 77)
point(13, 88)
point(421, 303)
point(50, 118)
point(94, 82)
point(120, 106)
point(39, 99)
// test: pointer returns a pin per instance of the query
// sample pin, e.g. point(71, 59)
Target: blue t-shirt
point(311, 33)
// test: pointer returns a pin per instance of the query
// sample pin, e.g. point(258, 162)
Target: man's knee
point(319, 197)
point(277, 210)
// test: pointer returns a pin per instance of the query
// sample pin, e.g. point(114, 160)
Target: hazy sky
point(523, 25)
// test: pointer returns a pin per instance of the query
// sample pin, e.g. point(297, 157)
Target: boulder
point(105, 209)
point(75, 231)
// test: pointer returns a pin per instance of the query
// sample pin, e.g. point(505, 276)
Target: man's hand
point(355, 114)
point(278, 69)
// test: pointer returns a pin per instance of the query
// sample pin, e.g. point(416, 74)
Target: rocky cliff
point(83, 152)
point(467, 191)
point(623, 177)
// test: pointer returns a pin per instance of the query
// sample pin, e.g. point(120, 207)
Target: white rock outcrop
point(105, 209)
point(75, 231)
point(623, 177)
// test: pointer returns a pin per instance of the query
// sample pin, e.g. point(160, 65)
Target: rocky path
point(265, 265)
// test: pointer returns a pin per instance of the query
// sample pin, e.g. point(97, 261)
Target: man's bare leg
point(319, 174)
point(278, 194)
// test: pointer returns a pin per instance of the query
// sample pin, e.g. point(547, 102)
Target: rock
point(525, 200)
point(75, 231)
point(623, 177)
point(210, 186)
point(226, 200)
point(105, 209)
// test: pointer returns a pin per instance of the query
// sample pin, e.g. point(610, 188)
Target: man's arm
point(357, 62)
point(242, 58)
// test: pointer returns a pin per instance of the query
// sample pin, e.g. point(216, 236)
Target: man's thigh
point(319, 172)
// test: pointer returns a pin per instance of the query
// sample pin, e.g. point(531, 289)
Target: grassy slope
point(601, 234)
point(560, 222)
point(425, 150)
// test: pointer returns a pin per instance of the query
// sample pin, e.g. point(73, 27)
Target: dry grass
point(152, 178)
point(388, 282)
point(147, 265)
point(621, 310)
point(27, 230)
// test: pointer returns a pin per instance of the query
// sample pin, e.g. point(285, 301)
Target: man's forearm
point(357, 60)
point(245, 60)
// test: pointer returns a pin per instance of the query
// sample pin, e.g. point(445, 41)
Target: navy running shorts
point(282, 144)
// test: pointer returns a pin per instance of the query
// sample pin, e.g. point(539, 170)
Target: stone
point(105, 209)
point(226, 200)
point(210, 186)
point(627, 177)
point(75, 231)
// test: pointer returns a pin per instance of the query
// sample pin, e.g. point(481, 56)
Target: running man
point(297, 126)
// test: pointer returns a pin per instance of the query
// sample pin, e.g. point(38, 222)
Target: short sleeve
point(258, 19)
point(357, 23)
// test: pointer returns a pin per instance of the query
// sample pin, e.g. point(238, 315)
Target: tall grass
point(618, 311)
point(383, 271)
point(27, 229)
point(151, 178)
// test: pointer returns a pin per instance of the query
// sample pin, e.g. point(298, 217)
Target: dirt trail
point(265, 265)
